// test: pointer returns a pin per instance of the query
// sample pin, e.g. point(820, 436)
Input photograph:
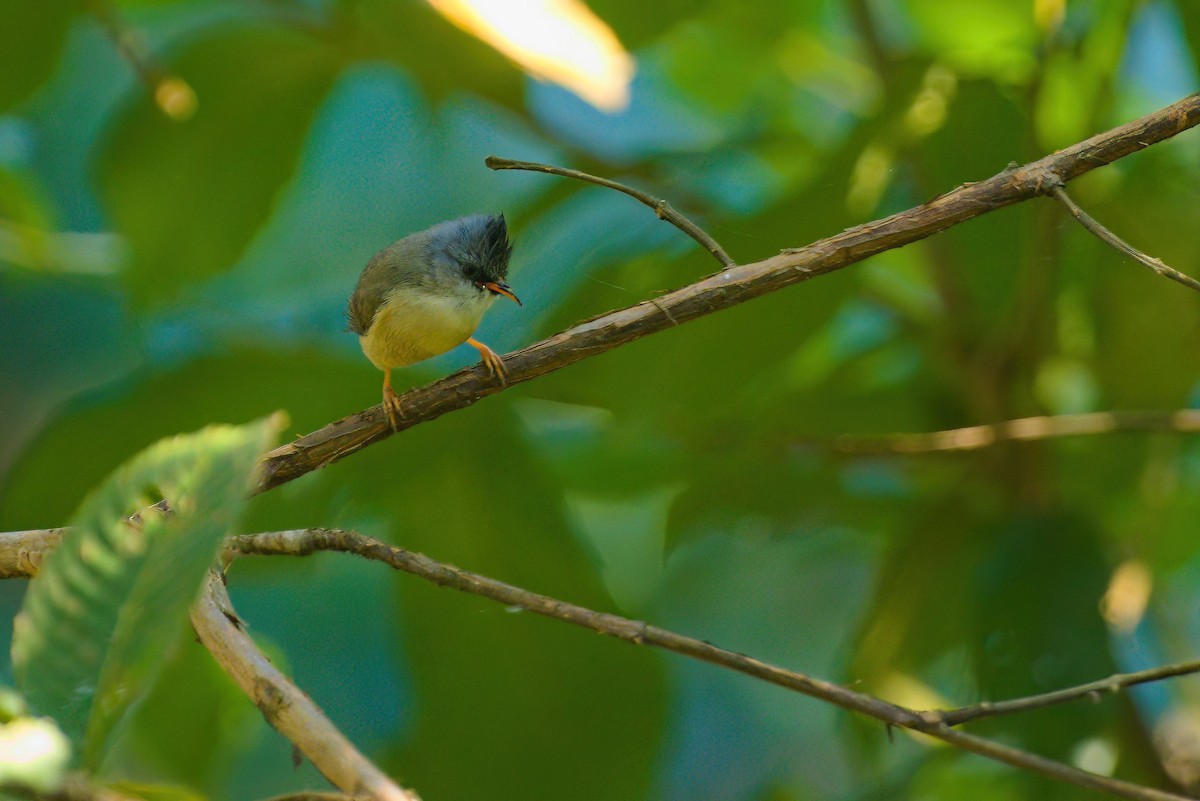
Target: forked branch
point(1108, 237)
point(307, 541)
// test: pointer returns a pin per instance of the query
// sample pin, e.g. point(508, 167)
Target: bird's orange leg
point(391, 402)
point(491, 360)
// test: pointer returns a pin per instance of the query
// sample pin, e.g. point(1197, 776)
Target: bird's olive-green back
point(390, 267)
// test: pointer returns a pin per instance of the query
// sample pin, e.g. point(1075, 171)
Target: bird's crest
point(480, 244)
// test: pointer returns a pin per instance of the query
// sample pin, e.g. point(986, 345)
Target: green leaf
point(111, 599)
point(1189, 14)
point(191, 195)
point(192, 737)
point(993, 38)
point(35, 33)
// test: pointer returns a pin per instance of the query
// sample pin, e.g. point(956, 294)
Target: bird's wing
point(376, 281)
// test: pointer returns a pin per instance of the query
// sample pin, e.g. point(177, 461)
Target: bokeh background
point(182, 222)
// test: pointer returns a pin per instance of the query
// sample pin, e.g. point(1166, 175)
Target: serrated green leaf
point(191, 737)
point(190, 195)
point(110, 600)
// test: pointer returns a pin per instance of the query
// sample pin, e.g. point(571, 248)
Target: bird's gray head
point(478, 245)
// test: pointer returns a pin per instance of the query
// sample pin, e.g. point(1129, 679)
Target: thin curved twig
point(307, 541)
point(1092, 689)
point(1109, 238)
point(728, 288)
point(302, 542)
point(662, 208)
point(284, 705)
point(1023, 429)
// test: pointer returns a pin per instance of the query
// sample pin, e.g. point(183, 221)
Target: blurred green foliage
point(161, 274)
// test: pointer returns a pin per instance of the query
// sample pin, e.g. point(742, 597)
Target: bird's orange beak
point(501, 288)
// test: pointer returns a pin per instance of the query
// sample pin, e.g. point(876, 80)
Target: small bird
point(425, 294)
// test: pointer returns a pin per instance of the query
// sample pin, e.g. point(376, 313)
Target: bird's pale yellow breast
point(411, 327)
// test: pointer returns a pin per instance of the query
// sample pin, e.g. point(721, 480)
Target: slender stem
point(1093, 689)
point(1108, 237)
point(662, 208)
point(174, 96)
point(726, 289)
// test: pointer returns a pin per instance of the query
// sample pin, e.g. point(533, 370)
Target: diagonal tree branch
point(307, 541)
point(302, 542)
point(1022, 429)
point(284, 705)
point(728, 288)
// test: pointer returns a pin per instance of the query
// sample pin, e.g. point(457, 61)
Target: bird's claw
point(491, 360)
point(495, 366)
point(393, 408)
